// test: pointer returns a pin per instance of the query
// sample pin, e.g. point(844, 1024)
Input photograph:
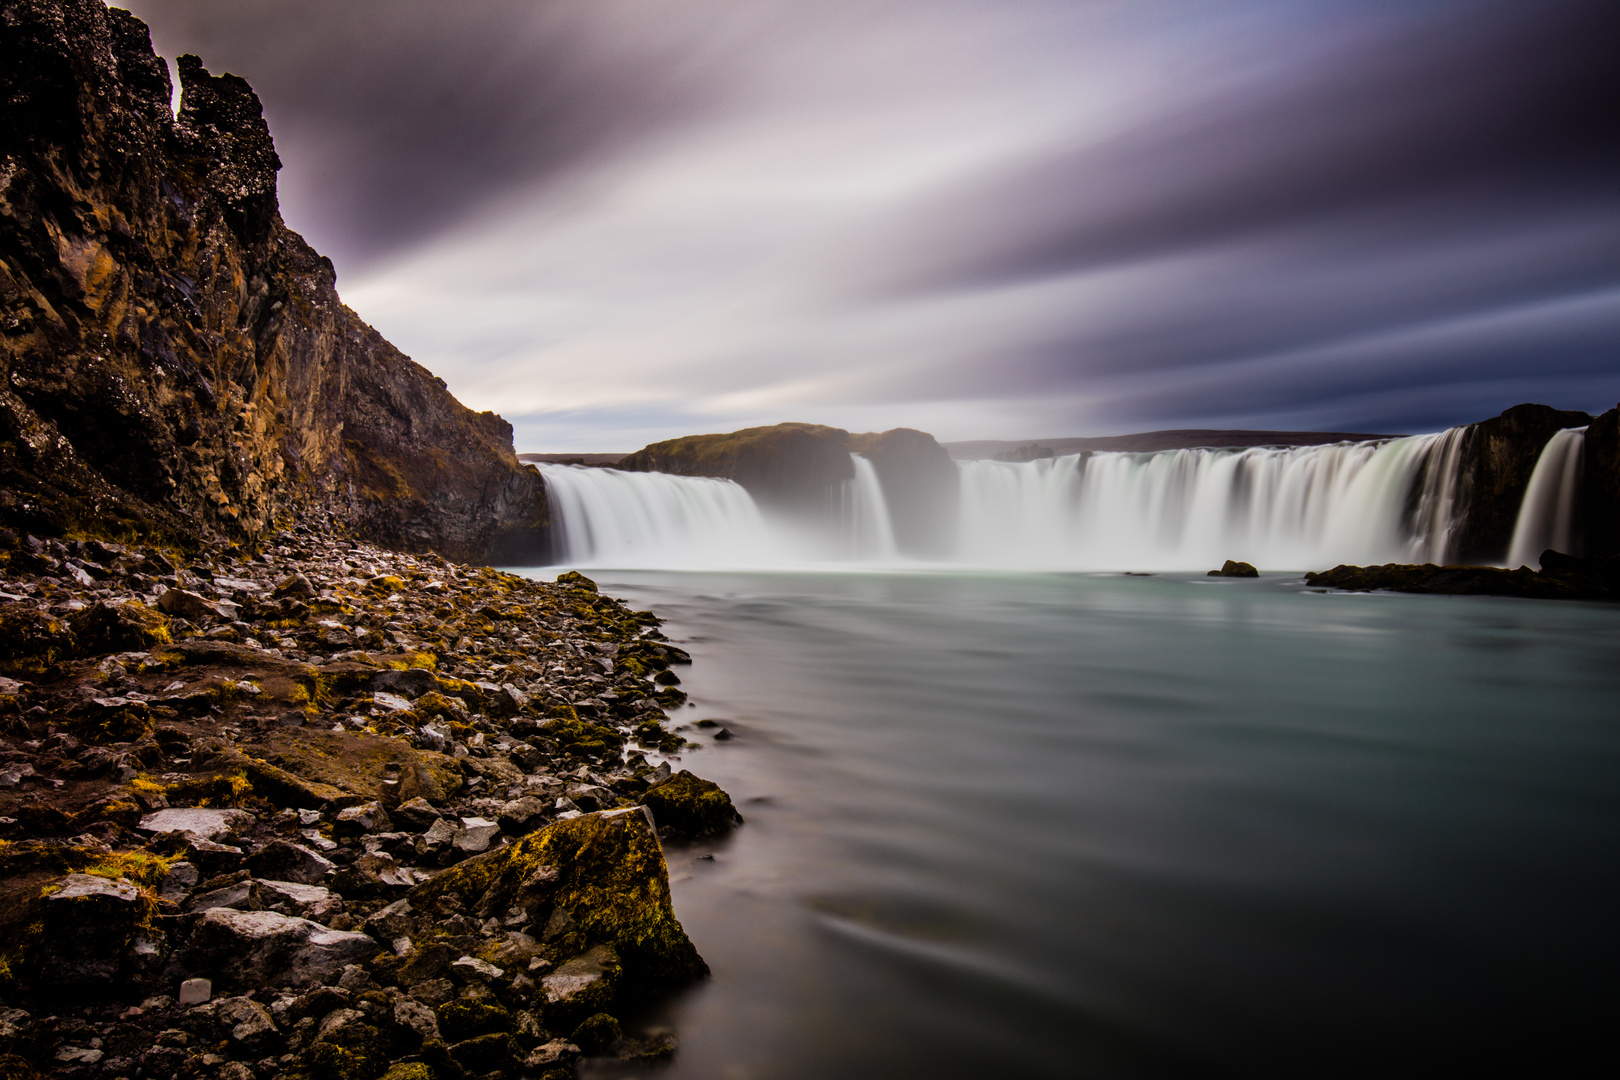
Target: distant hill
point(575, 459)
point(1178, 439)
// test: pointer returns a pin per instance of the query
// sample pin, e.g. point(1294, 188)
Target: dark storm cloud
point(985, 218)
point(1494, 111)
point(402, 115)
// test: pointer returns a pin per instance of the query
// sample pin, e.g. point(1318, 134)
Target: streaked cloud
point(627, 219)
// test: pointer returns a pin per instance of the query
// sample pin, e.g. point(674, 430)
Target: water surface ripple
point(1088, 825)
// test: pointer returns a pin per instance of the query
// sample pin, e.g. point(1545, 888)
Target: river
point(1062, 825)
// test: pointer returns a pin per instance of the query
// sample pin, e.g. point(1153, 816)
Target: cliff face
point(796, 469)
point(1601, 486)
point(921, 485)
point(1498, 456)
point(174, 361)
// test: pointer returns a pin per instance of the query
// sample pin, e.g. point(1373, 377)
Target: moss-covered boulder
point(592, 881)
point(127, 627)
point(573, 579)
point(581, 738)
point(687, 807)
point(33, 641)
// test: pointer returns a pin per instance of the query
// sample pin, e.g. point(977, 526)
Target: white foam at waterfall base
point(1295, 508)
point(1547, 515)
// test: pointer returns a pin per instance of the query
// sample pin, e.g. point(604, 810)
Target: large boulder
point(127, 627)
point(90, 929)
point(252, 949)
point(33, 641)
point(590, 881)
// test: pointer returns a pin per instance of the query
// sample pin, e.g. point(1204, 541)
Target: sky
point(617, 221)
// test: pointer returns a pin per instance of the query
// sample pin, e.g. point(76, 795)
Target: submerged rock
point(1562, 577)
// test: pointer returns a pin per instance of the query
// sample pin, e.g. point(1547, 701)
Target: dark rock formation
point(1233, 568)
point(174, 362)
point(1562, 577)
point(796, 469)
point(788, 467)
point(1498, 457)
point(921, 485)
point(1601, 486)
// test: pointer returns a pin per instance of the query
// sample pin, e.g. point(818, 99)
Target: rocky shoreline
point(1561, 577)
point(307, 808)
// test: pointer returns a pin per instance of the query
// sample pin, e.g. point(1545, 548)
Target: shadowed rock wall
point(796, 469)
point(174, 361)
point(1498, 456)
point(1601, 486)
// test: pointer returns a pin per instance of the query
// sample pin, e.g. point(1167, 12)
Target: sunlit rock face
point(174, 361)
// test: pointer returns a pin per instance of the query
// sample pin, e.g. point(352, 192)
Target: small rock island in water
point(285, 792)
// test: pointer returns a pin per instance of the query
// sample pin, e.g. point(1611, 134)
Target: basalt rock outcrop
point(1496, 460)
point(798, 470)
point(1601, 486)
point(1561, 577)
point(355, 814)
point(175, 363)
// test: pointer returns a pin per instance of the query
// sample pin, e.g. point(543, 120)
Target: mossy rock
point(573, 579)
point(408, 1070)
point(603, 875)
point(32, 642)
point(687, 807)
point(597, 1034)
point(469, 1017)
point(13, 1067)
point(582, 738)
point(127, 627)
point(495, 1052)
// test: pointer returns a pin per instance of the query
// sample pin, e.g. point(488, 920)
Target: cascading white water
point(868, 532)
point(1547, 515)
point(1295, 508)
point(1281, 509)
point(631, 519)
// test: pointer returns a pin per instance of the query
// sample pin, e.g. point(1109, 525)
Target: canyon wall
point(175, 363)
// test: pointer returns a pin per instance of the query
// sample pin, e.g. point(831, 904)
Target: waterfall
point(864, 515)
point(1295, 508)
point(1547, 515)
point(635, 519)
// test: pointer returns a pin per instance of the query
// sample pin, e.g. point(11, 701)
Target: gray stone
point(357, 820)
point(210, 824)
point(470, 969)
point(238, 895)
point(247, 1021)
point(521, 815)
point(195, 991)
point(416, 814)
point(86, 929)
point(476, 835)
point(289, 897)
point(258, 948)
point(585, 978)
point(188, 605)
point(411, 683)
point(180, 880)
point(418, 1017)
point(281, 860)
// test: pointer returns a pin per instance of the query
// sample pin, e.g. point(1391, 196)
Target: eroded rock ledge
point(1561, 577)
point(402, 815)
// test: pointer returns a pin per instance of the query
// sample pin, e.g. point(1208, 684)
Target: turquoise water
point(1087, 825)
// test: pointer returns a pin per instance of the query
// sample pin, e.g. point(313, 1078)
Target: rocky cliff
point(174, 361)
point(1497, 458)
